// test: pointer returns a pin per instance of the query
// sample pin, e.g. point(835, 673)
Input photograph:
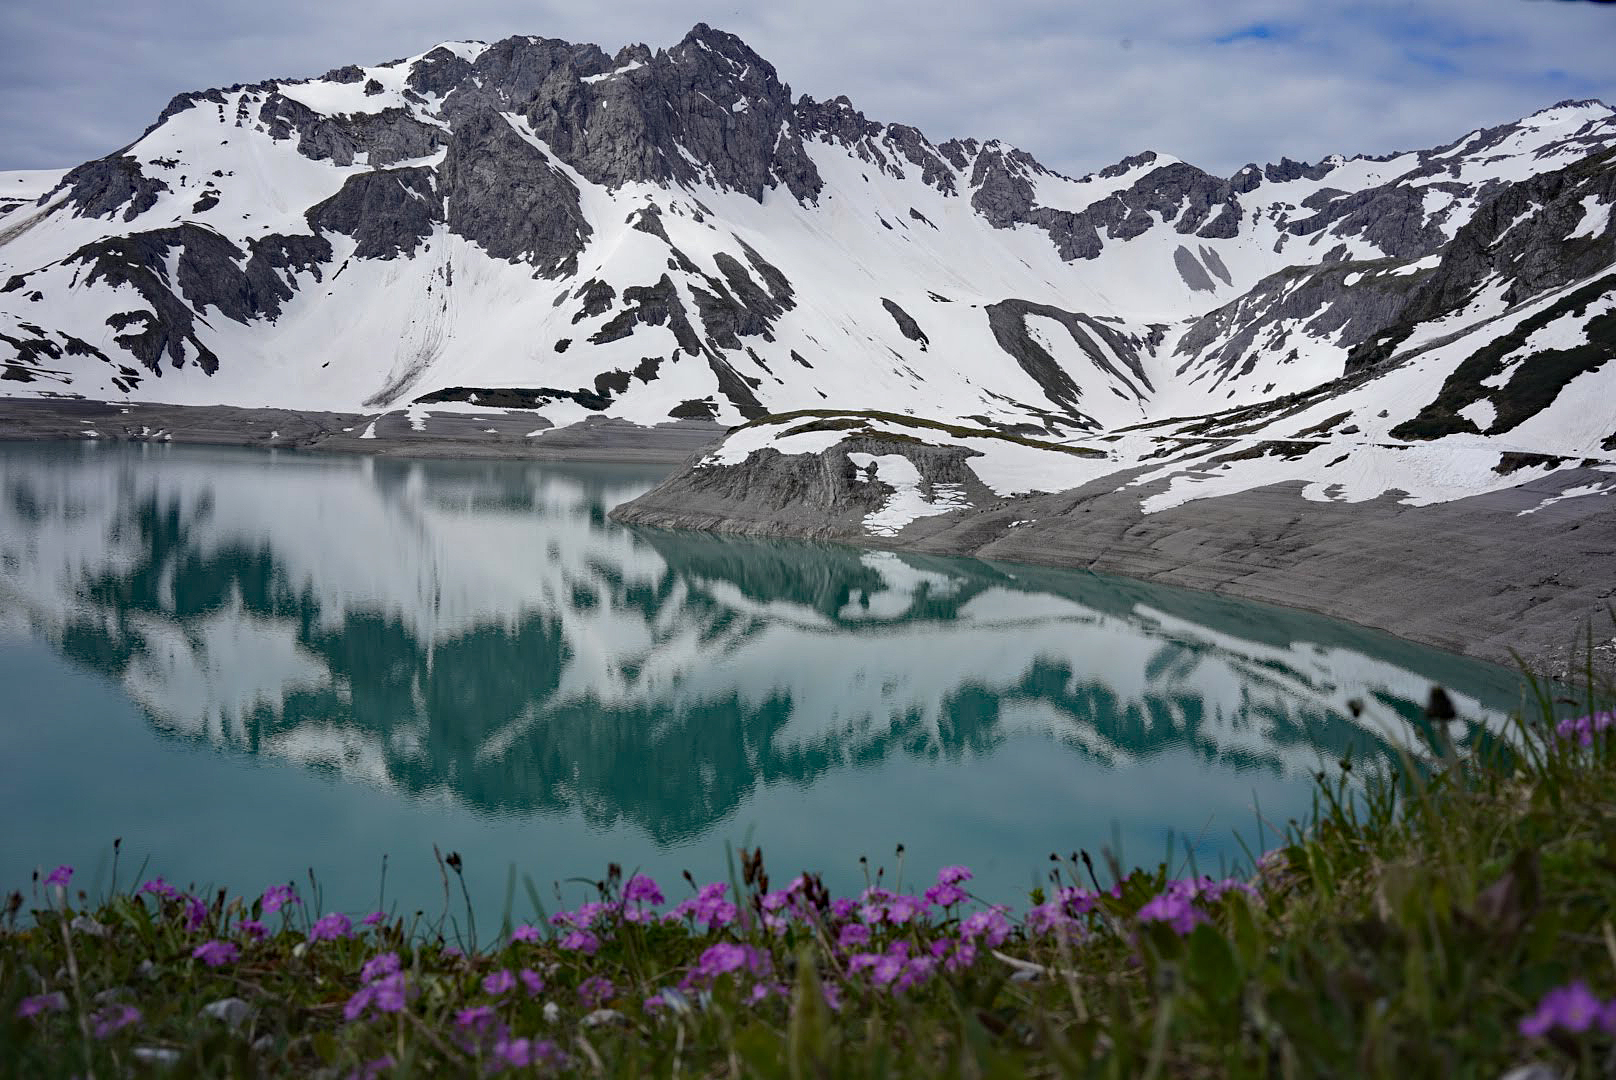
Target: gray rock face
point(1295, 170)
point(101, 188)
point(505, 195)
point(1194, 201)
point(1008, 321)
point(636, 117)
point(906, 323)
point(811, 496)
point(389, 136)
point(1316, 299)
point(737, 306)
point(389, 212)
point(652, 305)
point(1521, 235)
point(1391, 217)
point(210, 272)
point(438, 72)
point(1529, 388)
point(1003, 195)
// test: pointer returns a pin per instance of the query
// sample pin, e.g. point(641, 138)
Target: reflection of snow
point(206, 677)
point(442, 553)
point(899, 584)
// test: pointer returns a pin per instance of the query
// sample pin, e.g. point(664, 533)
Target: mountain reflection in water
point(477, 637)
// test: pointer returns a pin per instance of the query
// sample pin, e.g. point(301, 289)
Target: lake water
point(249, 665)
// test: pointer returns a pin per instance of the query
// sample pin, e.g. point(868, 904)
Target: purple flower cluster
point(55, 1001)
point(520, 1053)
point(1573, 1008)
point(581, 941)
point(878, 905)
point(1584, 728)
point(896, 967)
point(330, 927)
point(216, 953)
point(278, 896)
point(1175, 909)
point(708, 908)
point(59, 876)
point(384, 989)
point(723, 958)
point(596, 991)
point(160, 889)
point(112, 1019)
point(642, 890)
point(947, 891)
point(1062, 916)
point(378, 966)
point(988, 927)
point(1175, 904)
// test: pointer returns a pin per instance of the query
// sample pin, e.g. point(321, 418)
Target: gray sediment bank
point(493, 434)
point(1475, 576)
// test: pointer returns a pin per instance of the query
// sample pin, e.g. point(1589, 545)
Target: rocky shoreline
point(424, 432)
point(1498, 576)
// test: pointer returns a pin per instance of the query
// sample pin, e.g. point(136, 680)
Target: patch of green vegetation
point(856, 419)
point(1447, 913)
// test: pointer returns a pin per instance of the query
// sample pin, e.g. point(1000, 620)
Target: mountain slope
point(535, 224)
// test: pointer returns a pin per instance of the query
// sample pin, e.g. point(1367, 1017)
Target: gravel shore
point(1494, 576)
point(491, 434)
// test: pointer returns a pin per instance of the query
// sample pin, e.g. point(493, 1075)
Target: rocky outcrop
point(1196, 202)
point(1411, 571)
point(812, 496)
point(384, 138)
point(209, 272)
point(1008, 320)
point(389, 212)
point(102, 188)
point(505, 195)
point(906, 323)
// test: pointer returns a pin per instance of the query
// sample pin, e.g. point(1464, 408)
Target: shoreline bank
point(425, 432)
point(1495, 576)
point(1511, 576)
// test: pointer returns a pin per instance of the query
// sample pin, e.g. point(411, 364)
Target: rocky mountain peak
point(667, 233)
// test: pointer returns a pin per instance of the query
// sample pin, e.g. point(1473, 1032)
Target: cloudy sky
point(1080, 83)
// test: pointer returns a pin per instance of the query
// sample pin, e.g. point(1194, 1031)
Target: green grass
point(1404, 929)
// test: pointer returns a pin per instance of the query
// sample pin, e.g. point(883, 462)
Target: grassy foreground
point(1450, 916)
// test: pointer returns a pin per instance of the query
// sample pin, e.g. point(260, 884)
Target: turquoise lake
point(252, 665)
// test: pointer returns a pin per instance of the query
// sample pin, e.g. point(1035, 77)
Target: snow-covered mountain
point(540, 225)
